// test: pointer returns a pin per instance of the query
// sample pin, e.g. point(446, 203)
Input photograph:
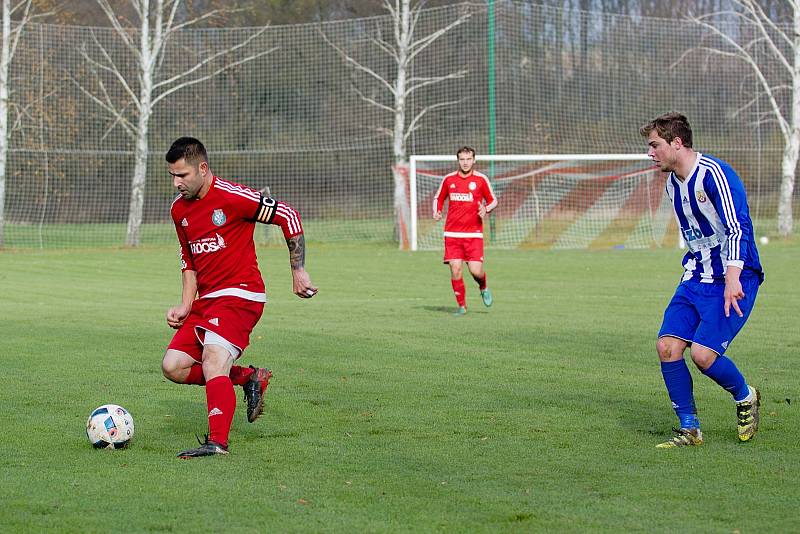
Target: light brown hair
point(669, 126)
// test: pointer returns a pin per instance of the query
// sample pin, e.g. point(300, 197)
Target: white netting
point(561, 202)
point(566, 81)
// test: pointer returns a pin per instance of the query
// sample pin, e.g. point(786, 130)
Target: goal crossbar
point(415, 160)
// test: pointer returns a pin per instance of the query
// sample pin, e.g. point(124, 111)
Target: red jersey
point(465, 194)
point(216, 237)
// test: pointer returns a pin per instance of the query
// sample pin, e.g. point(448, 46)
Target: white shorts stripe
point(463, 234)
point(236, 292)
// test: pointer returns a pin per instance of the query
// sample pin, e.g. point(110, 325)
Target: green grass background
point(385, 413)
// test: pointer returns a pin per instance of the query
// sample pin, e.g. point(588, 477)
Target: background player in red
point(470, 198)
point(223, 293)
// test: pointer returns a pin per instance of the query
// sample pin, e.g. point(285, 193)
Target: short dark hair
point(465, 149)
point(189, 149)
point(669, 126)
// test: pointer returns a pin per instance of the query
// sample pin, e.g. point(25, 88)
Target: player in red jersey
point(470, 198)
point(223, 292)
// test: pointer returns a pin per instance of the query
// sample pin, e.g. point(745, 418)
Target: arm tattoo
point(297, 251)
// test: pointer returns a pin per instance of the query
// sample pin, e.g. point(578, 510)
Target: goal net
point(555, 201)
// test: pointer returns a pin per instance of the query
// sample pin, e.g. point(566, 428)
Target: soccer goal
point(559, 201)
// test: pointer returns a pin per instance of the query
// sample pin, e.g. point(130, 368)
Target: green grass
point(385, 413)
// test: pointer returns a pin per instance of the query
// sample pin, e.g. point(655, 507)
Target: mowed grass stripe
point(387, 414)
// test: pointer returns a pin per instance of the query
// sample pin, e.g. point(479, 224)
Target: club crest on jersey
point(701, 197)
point(472, 186)
point(218, 217)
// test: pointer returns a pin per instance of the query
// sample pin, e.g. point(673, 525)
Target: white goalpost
point(558, 201)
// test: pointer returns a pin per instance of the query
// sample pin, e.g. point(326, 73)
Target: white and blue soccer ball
point(110, 427)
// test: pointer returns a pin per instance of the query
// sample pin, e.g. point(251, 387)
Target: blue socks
point(725, 373)
point(678, 380)
point(679, 386)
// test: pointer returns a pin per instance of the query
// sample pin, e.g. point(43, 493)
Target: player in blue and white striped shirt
point(722, 273)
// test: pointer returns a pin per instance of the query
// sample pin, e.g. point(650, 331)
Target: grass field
point(387, 414)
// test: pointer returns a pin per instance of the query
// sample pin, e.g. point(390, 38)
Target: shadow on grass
point(449, 309)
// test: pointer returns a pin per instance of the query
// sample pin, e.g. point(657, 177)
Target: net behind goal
point(555, 201)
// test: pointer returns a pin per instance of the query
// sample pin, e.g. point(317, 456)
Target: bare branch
point(372, 101)
point(415, 14)
point(115, 23)
point(109, 107)
point(138, 6)
point(20, 112)
point(214, 56)
point(412, 127)
point(433, 79)
point(356, 64)
point(421, 44)
point(394, 12)
point(761, 18)
point(743, 55)
point(385, 47)
point(213, 13)
point(751, 20)
point(111, 67)
point(122, 121)
point(27, 17)
point(215, 73)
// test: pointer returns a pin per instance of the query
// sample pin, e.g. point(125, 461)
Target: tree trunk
point(146, 64)
point(791, 152)
point(401, 200)
point(136, 207)
point(140, 167)
point(3, 142)
point(4, 64)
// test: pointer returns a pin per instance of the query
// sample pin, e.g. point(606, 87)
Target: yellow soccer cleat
point(747, 415)
point(684, 437)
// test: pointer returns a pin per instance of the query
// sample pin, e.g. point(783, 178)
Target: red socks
point(239, 375)
point(220, 398)
point(195, 376)
point(221, 402)
point(458, 289)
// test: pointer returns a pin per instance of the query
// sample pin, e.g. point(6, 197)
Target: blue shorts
point(696, 313)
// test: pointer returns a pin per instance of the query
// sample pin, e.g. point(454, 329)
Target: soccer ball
point(109, 427)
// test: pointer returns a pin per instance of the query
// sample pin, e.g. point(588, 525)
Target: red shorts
point(230, 317)
point(463, 248)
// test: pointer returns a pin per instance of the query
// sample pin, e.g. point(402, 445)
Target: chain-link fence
point(296, 120)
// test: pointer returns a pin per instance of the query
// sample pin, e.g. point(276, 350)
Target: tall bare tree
point(12, 30)
point(157, 23)
point(403, 49)
point(758, 40)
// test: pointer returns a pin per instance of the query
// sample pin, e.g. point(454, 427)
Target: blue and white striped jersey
point(711, 208)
